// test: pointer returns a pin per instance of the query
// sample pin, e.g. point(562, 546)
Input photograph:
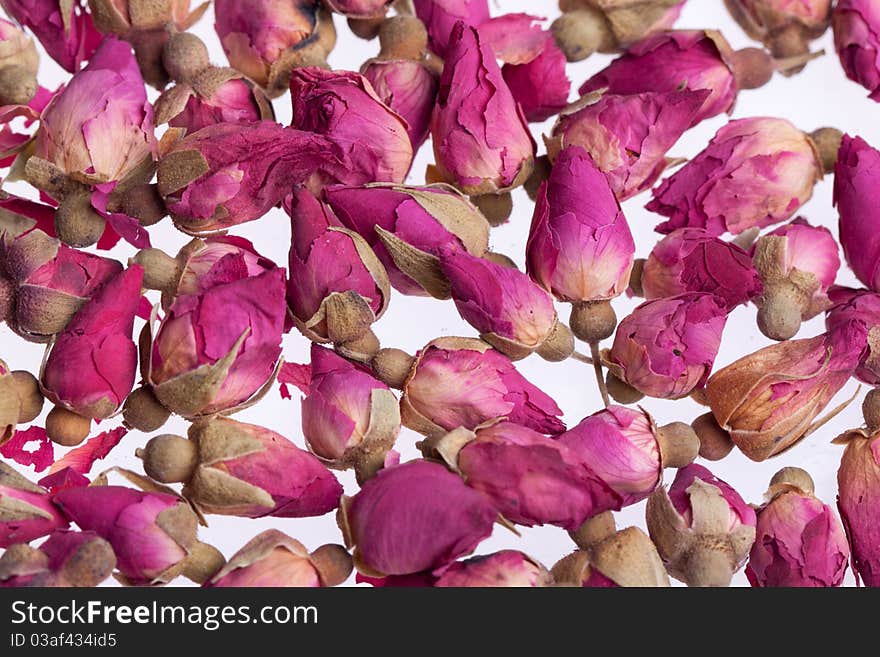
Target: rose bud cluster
point(862, 306)
point(856, 198)
point(65, 559)
point(508, 568)
point(26, 510)
point(19, 62)
point(755, 172)
point(857, 40)
point(797, 263)
point(786, 27)
point(21, 400)
point(799, 540)
point(239, 469)
point(273, 559)
point(702, 528)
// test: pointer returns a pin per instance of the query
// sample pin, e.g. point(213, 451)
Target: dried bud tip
point(752, 68)
point(594, 530)
point(76, 221)
point(362, 349)
point(827, 141)
point(708, 567)
point(779, 317)
point(7, 297)
point(495, 207)
point(715, 442)
point(679, 445)
point(871, 409)
point(621, 391)
point(144, 204)
point(635, 277)
point(93, 561)
point(500, 259)
point(593, 321)
point(185, 56)
point(392, 366)
point(169, 459)
point(18, 85)
point(203, 562)
point(333, 563)
point(142, 411)
point(797, 477)
point(161, 271)
point(540, 173)
point(403, 37)
point(30, 397)
point(365, 28)
point(66, 428)
point(582, 32)
point(559, 345)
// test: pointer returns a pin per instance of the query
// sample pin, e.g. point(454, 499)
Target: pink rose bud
point(768, 400)
point(413, 517)
point(349, 418)
point(273, 559)
point(857, 40)
point(666, 347)
point(540, 86)
point(858, 496)
point(799, 541)
point(91, 367)
point(369, 138)
point(440, 17)
point(627, 136)
point(238, 469)
point(508, 568)
point(755, 172)
point(862, 306)
point(692, 260)
point(856, 198)
point(219, 349)
point(64, 29)
point(482, 143)
point(65, 559)
point(580, 247)
point(786, 27)
point(337, 285)
point(463, 382)
point(529, 478)
point(510, 311)
point(408, 226)
point(702, 528)
point(797, 263)
point(19, 62)
point(359, 8)
point(26, 510)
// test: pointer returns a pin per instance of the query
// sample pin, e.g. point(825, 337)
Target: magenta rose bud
point(692, 260)
point(508, 568)
point(369, 138)
point(440, 17)
point(97, 346)
point(463, 382)
point(857, 40)
point(856, 198)
point(666, 347)
point(580, 247)
point(409, 226)
point(540, 86)
point(799, 540)
point(786, 27)
point(755, 172)
point(413, 517)
point(627, 136)
point(482, 143)
point(858, 496)
point(862, 306)
point(26, 510)
point(349, 418)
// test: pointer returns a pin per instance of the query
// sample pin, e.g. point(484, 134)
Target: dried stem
point(600, 376)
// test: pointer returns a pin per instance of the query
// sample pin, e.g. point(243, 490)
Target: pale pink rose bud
point(856, 197)
point(64, 29)
point(359, 8)
point(755, 172)
point(862, 306)
point(508, 568)
point(463, 382)
point(26, 510)
point(349, 418)
point(482, 143)
point(19, 62)
point(65, 559)
point(627, 136)
point(786, 27)
point(238, 469)
point(702, 528)
point(273, 559)
point(540, 85)
point(799, 540)
point(529, 478)
point(857, 40)
point(797, 263)
point(768, 400)
point(440, 17)
point(667, 346)
point(369, 138)
point(337, 285)
point(408, 226)
point(692, 260)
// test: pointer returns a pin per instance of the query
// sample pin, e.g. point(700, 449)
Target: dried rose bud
point(797, 263)
point(529, 478)
point(349, 419)
point(702, 528)
point(409, 88)
point(91, 367)
point(768, 400)
point(511, 312)
point(408, 226)
point(440, 17)
point(799, 541)
point(26, 510)
point(66, 559)
point(540, 85)
point(692, 260)
point(627, 451)
point(755, 172)
point(218, 349)
point(856, 198)
point(507, 568)
point(857, 40)
point(786, 27)
point(19, 62)
point(627, 136)
point(667, 346)
point(371, 138)
point(273, 559)
point(238, 469)
point(481, 140)
point(863, 306)
point(337, 285)
point(858, 492)
point(413, 517)
point(64, 29)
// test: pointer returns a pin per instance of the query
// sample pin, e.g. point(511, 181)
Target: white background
point(819, 96)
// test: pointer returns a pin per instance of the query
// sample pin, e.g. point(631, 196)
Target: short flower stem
point(600, 378)
point(582, 357)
